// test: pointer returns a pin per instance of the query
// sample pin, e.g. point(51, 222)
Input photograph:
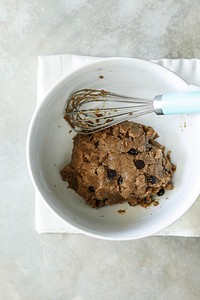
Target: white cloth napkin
point(50, 70)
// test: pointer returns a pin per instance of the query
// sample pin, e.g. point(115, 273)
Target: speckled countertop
point(64, 266)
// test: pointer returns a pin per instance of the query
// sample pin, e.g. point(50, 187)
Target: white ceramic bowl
point(49, 147)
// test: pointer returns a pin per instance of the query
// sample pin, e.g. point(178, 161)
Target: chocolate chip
point(111, 174)
point(139, 164)
point(100, 203)
point(161, 192)
point(120, 180)
point(133, 151)
point(153, 179)
point(91, 189)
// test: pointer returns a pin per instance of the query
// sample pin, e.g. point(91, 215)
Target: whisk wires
point(90, 110)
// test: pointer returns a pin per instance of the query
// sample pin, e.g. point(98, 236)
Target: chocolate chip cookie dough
point(120, 164)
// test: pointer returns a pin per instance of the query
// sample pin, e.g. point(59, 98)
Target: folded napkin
point(50, 70)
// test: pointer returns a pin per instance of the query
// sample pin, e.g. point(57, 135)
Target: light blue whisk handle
point(177, 103)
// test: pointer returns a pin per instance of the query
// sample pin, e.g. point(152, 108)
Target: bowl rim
point(31, 129)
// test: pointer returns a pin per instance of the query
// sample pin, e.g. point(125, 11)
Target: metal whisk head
point(90, 110)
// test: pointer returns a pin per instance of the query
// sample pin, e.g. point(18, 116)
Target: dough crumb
point(121, 211)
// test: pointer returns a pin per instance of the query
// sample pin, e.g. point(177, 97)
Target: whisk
point(90, 110)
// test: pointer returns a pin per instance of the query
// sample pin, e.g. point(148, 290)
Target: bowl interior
point(50, 148)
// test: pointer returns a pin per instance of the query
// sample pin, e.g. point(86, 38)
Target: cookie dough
point(120, 164)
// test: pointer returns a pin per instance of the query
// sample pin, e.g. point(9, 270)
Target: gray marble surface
point(68, 266)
